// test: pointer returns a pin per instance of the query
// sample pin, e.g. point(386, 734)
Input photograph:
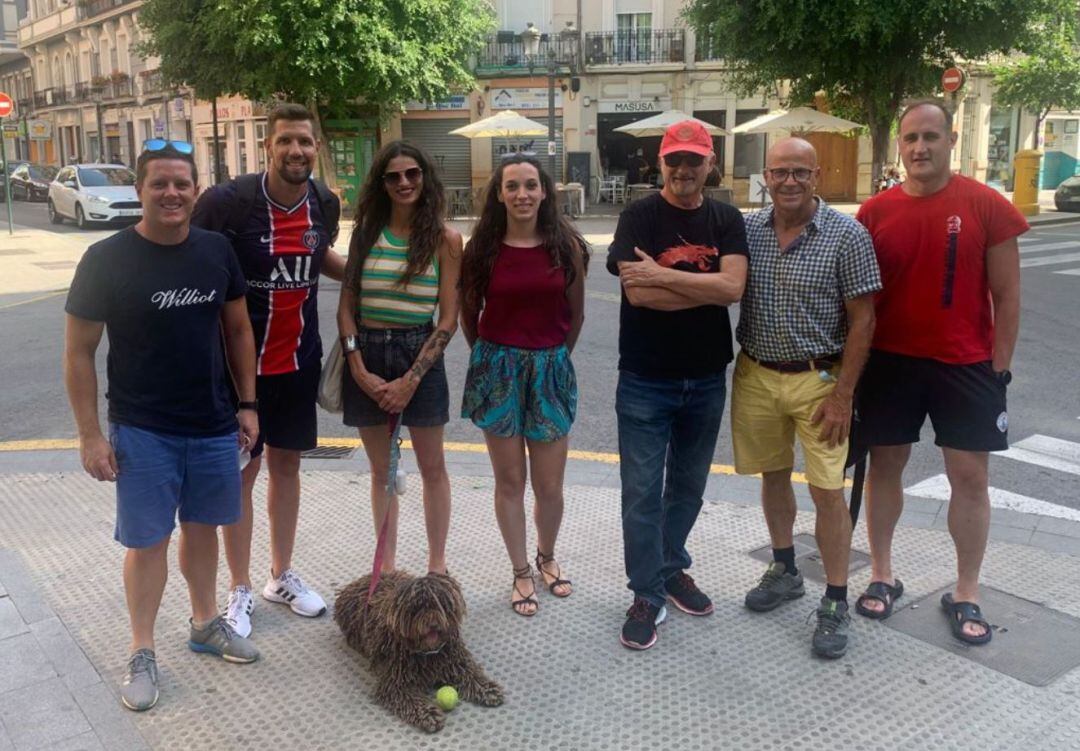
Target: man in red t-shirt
point(947, 321)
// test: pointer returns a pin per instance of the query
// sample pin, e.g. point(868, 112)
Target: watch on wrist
point(1005, 376)
point(252, 405)
point(350, 343)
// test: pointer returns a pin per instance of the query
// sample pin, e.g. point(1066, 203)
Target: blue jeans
point(667, 435)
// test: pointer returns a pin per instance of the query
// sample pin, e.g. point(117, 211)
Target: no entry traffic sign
point(6, 105)
point(952, 79)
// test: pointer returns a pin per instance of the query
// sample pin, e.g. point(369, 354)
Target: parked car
point(12, 165)
point(1067, 195)
point(30, 182)
point(91, 193)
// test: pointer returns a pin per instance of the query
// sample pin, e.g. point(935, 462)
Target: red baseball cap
point(688, 135)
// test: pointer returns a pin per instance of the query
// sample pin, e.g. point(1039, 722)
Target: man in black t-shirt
point(681, 259)
point(166, 294)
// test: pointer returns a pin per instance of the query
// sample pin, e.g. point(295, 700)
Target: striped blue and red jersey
point(281, 251)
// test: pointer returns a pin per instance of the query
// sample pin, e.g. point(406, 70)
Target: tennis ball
point(446, 697)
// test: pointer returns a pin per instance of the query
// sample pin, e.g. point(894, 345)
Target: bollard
point(1026, 183)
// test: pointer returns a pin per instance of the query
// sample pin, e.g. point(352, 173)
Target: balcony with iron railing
point(151, 82)
point(504, 52)
point(706, 50)
point(635, 47)
point(91, 8)
point(54, 96)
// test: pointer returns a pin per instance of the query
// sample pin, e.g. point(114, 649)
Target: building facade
point(95, 98)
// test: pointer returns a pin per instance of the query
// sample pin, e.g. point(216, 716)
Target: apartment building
point(14, 76)
point(94, 97)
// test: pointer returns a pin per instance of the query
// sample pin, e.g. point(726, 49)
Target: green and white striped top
point(383, 299)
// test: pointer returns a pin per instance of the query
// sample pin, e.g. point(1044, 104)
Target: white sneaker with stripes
point(238, 611)
point(290, 589)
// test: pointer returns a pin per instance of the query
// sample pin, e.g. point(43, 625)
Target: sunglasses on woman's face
point(677, 158)
point(411, 175)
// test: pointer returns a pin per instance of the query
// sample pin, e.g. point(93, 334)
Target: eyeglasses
point(677, 158)
point(780, 175)
point(411, 175)
point(160, 144)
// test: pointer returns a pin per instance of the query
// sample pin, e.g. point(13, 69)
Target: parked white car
point(90, 193)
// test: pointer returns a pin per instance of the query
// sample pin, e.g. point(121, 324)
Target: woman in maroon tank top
point(523, 299)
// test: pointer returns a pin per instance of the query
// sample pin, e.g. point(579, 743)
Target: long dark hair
point(373, 214)
point(560, 237)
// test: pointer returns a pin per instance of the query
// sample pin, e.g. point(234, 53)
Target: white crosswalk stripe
point(1026, 248)
point(1038, 450)
point(1037, 252)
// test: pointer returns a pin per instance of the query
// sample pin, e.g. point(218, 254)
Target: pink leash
point(391, 493)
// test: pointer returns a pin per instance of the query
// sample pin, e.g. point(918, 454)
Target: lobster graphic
point(701, 256)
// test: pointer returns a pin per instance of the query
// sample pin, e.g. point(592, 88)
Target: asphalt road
point(1044, 395)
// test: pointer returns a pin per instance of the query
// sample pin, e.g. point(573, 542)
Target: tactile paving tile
point(733, 680)
point(1031, 642)
point(808, 558)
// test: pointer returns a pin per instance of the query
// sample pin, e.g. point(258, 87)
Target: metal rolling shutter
point(451, 153)
point(500, 146)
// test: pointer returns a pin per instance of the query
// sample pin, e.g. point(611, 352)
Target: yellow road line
point(39, 298)
point(59, 444)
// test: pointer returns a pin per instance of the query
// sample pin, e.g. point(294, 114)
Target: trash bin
point(1026, 183)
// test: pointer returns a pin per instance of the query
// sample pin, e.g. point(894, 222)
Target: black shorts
point(966, 403)
point(389, 353)
point(287, 417)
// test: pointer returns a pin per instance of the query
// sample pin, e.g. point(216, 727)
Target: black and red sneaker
point(686, 596)
point(639, 631)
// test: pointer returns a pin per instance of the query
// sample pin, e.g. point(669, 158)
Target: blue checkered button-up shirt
point(793, 306)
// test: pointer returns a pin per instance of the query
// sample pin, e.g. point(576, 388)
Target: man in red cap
point(681, 259)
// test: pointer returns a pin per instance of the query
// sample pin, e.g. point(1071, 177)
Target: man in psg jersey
point(947, 321)
point(281, 224)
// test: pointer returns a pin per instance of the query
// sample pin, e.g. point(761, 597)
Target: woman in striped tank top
point(523, 303)
point(404, 263)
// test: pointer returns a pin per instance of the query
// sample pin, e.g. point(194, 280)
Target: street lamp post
point(530, 39)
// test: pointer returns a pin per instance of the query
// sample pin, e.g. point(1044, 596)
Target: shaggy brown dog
point(410, 632)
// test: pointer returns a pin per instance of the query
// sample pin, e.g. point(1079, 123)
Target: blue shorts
point(511, 391)
point(161, 474)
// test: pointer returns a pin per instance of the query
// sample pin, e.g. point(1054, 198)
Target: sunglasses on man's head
point(411, 175)
point(677, 158)
point(160, 144)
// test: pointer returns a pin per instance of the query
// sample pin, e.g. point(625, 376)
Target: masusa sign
point(635, 105)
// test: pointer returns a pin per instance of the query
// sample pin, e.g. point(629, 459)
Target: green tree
point(1041, 81)
point(866, 56)
point(325, 53)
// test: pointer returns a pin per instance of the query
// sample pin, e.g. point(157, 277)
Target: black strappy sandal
point(525, 572)
point(961, 613)
point(885, 594)
point(541, 559)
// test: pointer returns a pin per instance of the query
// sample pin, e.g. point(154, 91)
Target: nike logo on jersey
point(265, 239)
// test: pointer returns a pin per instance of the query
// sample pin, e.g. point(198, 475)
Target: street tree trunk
point(327, 173)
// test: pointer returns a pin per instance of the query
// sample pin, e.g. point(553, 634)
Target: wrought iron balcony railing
point(505, 52)
point(91, 8)
point(641, 46)
point(707, 50)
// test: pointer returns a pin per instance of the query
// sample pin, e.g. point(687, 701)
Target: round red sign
point(6, 105)
point(952, 79)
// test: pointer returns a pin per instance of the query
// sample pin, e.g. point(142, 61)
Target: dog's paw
point(491, 695)
point(430, 719)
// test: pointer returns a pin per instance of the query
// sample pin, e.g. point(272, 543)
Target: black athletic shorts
point(287, 417)
point(966, 403)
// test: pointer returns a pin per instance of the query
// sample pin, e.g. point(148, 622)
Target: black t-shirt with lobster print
point(691, 343)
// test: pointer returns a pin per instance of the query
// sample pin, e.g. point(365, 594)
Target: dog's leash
point(391, 498)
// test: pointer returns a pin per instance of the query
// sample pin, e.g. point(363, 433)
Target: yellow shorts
point(768, 408)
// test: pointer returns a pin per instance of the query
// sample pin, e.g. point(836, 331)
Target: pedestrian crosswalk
point(1037, 450)
point(1048, 250)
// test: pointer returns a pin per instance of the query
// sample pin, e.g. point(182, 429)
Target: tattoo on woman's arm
point(430, 353)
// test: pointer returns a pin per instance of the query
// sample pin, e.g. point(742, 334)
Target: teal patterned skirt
point(511, 391)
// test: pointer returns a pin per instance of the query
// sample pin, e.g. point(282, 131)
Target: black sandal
point(525, 572)
point(885, 594)
point(542, 558)
point(961, 613)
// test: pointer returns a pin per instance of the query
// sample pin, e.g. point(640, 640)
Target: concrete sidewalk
point(732, 680)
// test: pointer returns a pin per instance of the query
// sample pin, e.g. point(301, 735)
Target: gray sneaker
point(139, 690)
point(219, 638)
point(776, 586)
point(831, 634)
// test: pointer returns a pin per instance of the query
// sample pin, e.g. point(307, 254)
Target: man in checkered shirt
point(805, 325)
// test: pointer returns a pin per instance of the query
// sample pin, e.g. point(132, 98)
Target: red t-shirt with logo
point(935, 301)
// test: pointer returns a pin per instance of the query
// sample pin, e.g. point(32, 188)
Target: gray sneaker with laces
point(139, 690)
point(831, 634)
point(776, 586)
point(219, 638)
